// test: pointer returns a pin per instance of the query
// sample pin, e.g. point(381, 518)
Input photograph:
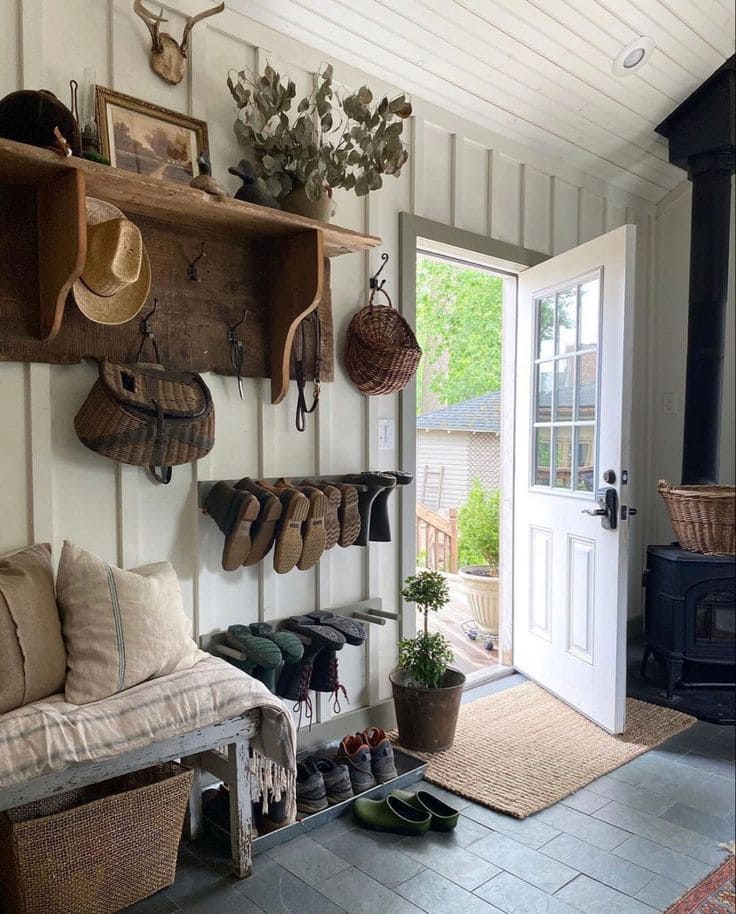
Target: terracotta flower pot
point(298, 202)
point(427, 718)
point(481, 589)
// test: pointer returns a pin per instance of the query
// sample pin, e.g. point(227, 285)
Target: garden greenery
point(426, 656)
point(478, 524)
point(333, 141)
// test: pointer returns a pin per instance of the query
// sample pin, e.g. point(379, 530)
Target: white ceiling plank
point(521, 23)
point(669, 34)
point(561, 88)
point(707, 19)
point(426, 50)
point(607, 34)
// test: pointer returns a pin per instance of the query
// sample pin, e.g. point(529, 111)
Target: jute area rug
point(522, 750)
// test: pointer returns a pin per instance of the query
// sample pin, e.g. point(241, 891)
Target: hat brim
point(124, 305)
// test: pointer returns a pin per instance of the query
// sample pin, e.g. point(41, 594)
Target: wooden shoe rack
point(272, 263)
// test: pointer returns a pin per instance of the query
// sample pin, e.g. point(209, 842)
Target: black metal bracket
point(192, 272)
point(373, 281)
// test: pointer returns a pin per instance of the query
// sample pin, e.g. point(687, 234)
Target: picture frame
point(147, 139)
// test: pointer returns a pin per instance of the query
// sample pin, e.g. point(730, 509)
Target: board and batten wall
point(54, 489)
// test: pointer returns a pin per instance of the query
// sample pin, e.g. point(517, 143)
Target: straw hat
point(116, 278)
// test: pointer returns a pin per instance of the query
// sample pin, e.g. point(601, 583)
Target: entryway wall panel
point(16, 529)
point(486, 182)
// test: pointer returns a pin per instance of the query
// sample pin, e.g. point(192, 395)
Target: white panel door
point(573, 404)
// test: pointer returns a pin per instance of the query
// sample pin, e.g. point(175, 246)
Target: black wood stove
point(690, 612)
point(690, 609)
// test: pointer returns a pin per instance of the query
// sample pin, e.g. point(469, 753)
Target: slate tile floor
point(629, 843)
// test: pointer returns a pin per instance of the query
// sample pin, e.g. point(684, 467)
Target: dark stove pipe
point(710, 174)
point(702, 138)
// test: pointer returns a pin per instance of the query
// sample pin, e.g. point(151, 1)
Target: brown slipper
point(263, 532)
point(332, 520)
point(234, 512)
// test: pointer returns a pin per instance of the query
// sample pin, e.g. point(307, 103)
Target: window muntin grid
point(564, 416)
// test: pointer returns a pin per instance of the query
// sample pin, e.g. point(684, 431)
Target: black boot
point(375, 484)
point(380, 528)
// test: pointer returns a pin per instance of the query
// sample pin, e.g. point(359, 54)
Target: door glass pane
point(564, 381)
point(566, 321)
point(544, 391)
point(541, 457)
point(546, 327)
point(563, 457)
point(586, 383)
point(589, 310)
point(584, 458)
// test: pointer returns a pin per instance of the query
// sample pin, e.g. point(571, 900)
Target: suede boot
point(264, 527)
point(234, 513)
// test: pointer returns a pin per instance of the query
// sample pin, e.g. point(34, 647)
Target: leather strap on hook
point(300, 374)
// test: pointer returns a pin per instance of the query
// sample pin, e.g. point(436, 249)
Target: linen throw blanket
point(47, 735)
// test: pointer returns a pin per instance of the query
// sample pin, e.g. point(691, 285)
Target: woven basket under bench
point(95, 850)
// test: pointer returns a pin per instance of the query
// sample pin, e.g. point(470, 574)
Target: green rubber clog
point(391, 814)
point(443, 816)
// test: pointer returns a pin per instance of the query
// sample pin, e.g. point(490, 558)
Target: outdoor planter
point(427, 718)
point(481, 589)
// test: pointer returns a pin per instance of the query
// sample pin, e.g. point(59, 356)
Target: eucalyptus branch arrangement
point(426, 656)
point(328, 141)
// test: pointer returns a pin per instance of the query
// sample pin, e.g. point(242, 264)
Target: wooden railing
point(436, 539)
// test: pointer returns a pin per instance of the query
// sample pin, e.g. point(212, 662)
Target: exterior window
point(566, 386)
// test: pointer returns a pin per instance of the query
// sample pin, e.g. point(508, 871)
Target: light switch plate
point(386, 434)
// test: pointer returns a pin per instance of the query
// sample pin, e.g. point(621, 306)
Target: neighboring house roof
point(480, 414)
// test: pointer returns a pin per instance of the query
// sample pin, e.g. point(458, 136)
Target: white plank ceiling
point(537, 71)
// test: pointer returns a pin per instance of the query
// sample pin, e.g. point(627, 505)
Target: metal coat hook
point(192, 272)
point(236, 350)
point(147, 333)
point(373, 281)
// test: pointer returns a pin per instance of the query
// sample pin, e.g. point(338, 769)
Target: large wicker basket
point(703, 517)
point(94, 850)
point(381, 354)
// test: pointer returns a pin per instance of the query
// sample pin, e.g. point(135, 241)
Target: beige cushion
point(120, 627)
point(32, 655)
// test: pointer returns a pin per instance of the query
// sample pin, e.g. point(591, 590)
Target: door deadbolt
point(607, 509)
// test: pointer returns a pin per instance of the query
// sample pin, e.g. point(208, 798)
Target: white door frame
point(414, 232)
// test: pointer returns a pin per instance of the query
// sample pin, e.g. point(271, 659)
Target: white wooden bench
point(198, 750)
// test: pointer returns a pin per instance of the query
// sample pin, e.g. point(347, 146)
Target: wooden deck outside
point(470, 656)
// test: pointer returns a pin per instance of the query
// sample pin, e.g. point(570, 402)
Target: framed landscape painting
point(149, 140)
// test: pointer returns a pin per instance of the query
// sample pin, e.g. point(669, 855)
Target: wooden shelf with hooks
point(269, 261)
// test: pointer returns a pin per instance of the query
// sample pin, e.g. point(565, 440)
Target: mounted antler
point(168, 56)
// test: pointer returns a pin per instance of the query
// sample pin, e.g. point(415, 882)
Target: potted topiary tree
point(478, 525)
point(332, 140)
point(426, 690)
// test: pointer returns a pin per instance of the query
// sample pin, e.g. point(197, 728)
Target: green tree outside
point(459, 315)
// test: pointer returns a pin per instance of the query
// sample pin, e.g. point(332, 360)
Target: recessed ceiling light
point(632, 57)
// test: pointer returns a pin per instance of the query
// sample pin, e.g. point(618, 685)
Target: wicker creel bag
point(146, 416)
point(703, 517)
point(381, 354)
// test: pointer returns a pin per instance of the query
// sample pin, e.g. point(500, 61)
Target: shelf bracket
point(61, 219)
point(296, 286)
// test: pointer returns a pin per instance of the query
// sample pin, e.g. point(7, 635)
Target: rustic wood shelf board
point(191, 322)
point(174, 203)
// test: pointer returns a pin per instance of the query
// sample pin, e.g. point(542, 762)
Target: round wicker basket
point(703, 517)
point(381, 353)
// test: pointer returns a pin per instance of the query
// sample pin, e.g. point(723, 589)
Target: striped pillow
point(120, 627)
